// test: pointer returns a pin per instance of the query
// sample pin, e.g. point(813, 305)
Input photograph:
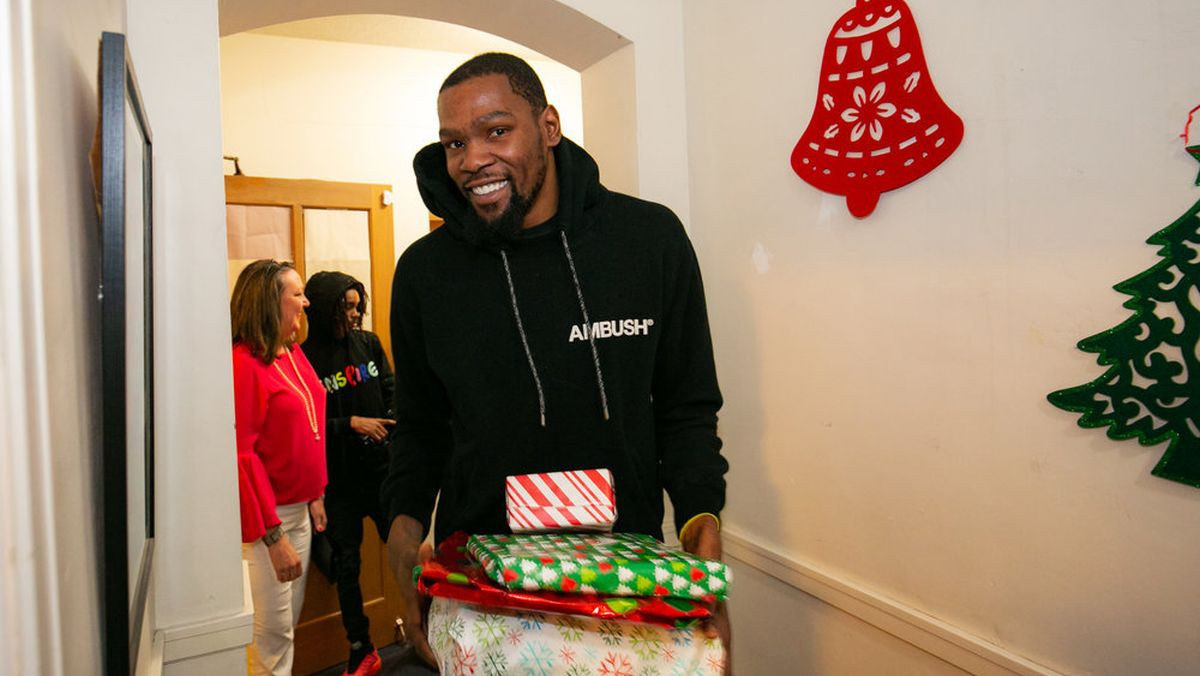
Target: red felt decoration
point(878, 122)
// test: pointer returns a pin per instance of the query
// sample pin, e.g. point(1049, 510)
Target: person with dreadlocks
point(352, 366)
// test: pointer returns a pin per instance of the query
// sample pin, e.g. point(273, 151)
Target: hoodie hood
point(579, 192)
point(326, 292)
point(579, 196)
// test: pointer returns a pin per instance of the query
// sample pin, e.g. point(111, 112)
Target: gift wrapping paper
point(620, 564)
point(579, 500)
point(468, 639)
point(453, 574)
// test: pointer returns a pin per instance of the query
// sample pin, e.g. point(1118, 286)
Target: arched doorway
point(609, 59)
point(603, 57)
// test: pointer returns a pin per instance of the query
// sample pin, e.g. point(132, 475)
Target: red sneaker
point(370, 665)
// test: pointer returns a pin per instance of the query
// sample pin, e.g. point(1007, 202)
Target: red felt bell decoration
point(878, 123)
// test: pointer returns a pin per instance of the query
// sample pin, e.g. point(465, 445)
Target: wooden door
point(296, 201)
point(279, 219)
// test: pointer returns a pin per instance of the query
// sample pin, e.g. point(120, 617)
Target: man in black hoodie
point(549, 325)
point(358, 384)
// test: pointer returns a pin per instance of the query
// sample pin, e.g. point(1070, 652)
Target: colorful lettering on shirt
point(351, 376)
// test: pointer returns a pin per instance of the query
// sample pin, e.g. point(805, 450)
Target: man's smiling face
point(499, 152)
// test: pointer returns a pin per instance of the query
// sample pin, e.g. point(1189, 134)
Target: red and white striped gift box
point(579, 500)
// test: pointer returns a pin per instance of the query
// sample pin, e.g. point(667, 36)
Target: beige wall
point(296, 108)
point(886, 378)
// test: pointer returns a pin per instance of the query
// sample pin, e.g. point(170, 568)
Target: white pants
point(277, 604)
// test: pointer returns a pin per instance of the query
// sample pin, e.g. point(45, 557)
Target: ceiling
point(399, 31)
point(550, 27)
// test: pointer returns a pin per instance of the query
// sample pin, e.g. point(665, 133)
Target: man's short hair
point(524, 82)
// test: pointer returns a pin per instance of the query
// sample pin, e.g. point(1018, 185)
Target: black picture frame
point(127, 356)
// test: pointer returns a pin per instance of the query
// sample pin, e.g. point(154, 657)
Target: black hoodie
point(356, 376)
point(497, 372)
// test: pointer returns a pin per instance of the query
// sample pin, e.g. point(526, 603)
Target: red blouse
point(280, 460)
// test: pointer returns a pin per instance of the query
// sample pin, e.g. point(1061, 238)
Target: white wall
point(24, 585)
point(661, 145)
point(780, 631)
point(64, 57)
point(609, 113)
point(198, 574)
point(886, 378)
point(337, 111)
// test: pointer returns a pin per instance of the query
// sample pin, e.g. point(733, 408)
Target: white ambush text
point(611, 328)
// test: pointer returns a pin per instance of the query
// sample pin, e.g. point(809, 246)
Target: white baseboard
point(945, 641)
point(213, 635)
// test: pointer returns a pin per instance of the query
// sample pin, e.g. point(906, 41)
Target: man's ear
point(551, 126)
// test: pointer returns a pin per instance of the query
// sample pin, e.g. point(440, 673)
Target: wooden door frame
point(301, 194)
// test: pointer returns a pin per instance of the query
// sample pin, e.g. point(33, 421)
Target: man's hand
point(284, 560)
point(703, 539)
point(374, 429)
point(316, 509)
point(405, 551)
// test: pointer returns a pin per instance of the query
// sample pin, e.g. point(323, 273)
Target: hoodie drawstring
point(587, 323)
point(537, 381)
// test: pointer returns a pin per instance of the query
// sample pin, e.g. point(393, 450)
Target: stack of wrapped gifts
point(565, 601)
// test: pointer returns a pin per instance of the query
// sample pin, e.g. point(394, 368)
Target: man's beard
point(505, 228)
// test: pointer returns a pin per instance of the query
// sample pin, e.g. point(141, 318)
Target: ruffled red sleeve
point(255, 493)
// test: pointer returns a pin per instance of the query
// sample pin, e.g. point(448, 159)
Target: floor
point(398, 660)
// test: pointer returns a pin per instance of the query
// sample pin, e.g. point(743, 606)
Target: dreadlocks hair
point(341, 325)
point(254, 308)
point(521, 78)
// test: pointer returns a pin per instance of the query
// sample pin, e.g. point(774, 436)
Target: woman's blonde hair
point(254, 311)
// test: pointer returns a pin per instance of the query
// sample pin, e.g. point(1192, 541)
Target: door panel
point(253, 232)
point(340, 239)
point(321, 225)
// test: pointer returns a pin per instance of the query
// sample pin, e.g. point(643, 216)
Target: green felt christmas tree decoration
point(1151, 388)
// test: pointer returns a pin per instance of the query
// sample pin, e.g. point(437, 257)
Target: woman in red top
point(279, 412)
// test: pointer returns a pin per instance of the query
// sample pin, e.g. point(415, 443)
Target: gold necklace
point(310, 407)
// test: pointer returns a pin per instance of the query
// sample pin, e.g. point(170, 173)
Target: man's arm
point(404, 553)
point(702, 537)
point(421, 437)
point(686, 395)
point(686, 401)
point(420, 444)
